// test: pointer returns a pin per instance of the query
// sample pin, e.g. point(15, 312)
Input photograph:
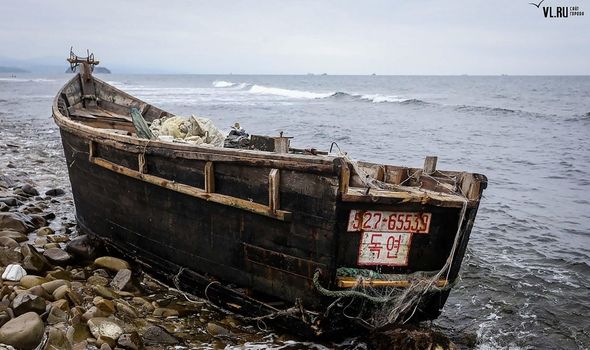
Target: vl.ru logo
point(558, 11)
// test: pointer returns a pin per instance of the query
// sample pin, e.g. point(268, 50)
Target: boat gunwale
point(323, 164)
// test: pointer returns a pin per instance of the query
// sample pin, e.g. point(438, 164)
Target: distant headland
point(98, 70)
point(4, 69)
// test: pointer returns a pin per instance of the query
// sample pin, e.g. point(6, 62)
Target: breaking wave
point(302, 94)
point(223, 84)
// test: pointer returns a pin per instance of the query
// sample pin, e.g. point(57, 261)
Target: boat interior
point(92, 102)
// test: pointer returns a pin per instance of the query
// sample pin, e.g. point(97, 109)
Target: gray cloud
point(338, 37)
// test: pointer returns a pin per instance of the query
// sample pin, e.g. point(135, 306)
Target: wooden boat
point(313, 241)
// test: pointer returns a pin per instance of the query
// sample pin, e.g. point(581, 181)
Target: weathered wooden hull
point(184, 212)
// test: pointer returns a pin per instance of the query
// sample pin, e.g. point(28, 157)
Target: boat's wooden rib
point(203, 194)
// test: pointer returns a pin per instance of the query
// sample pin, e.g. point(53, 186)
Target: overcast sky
point(282, 36)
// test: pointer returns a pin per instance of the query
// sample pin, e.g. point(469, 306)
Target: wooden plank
point(194, 192)
point(344, 177)
point(87, 83)
point(358, 194)
point(430, 165)
point(209, 178)
point(141, 165)
point(274, 190)
point(351, 282)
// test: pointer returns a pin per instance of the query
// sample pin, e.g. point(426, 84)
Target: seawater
point(526, 276)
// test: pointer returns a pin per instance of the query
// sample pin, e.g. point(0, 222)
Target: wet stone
point(16, 221)
point(4, 207)
point(55, 192)
point(38, 221)
point(9, 201)
point(84, 247)
point(29, 190)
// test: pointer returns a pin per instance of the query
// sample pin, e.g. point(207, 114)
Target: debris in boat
point(141, 127)
point(237, 138)
point(195, 130)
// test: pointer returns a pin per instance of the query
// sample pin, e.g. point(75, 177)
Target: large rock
point(16, 221)
point(25, 302)
point(15, 235)
point(55, 192)
point(13, 273)
point(84, 247)
point(57, 256)
point(23, 332)
point(34, 262)
point(9, 201)
point(111, 263)
point(105, 327)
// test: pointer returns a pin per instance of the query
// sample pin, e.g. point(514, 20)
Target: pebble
point(123, 280)
point(165, 312)
point(29, 190)
point(51, 286)
point(13, 273)
point(111, 263)
point(98, 280)
point(31, 281)
point(34, 261)
point(44, 231)
point(105, 327)
point(55, 192)
point(57, 256)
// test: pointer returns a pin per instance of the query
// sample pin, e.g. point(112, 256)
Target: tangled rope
point(396, 304)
